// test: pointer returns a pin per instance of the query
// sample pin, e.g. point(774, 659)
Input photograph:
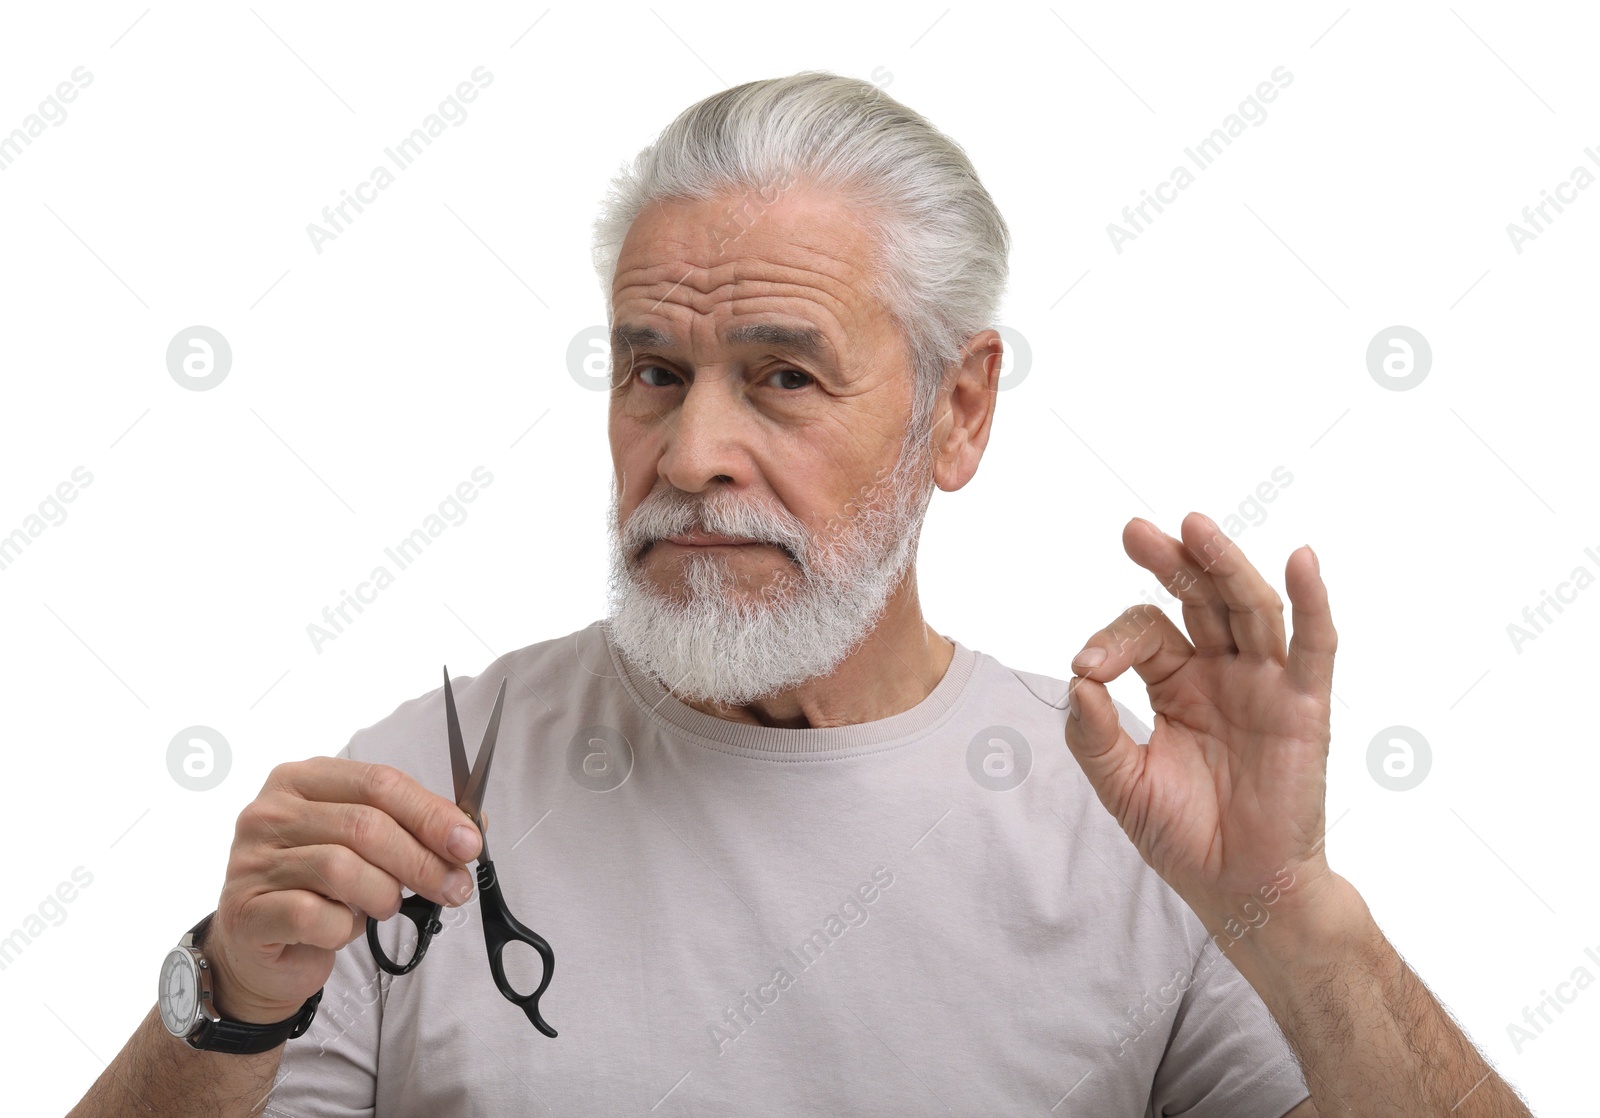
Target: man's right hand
point(328, 841)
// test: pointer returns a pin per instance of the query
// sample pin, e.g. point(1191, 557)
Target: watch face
point(179, 996)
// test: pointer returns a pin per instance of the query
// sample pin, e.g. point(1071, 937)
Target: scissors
point(499, 926)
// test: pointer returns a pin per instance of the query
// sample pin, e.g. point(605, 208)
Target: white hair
point(941, 244)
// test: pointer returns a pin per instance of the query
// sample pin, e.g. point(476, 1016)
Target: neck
point(893, 669)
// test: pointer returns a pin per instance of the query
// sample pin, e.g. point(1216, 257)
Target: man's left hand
point(1226, 798)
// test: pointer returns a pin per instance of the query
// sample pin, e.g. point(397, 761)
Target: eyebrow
point(803, 341)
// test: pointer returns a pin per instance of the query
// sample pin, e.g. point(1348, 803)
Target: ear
point(965, 409)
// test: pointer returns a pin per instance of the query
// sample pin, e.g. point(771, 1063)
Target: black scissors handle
point(425, 915)
point(501, 928)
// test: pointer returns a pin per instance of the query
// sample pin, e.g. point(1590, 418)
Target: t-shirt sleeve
point(1225, 1057)
point(331, 1070)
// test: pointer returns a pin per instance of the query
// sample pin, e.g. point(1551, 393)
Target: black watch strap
point(244, 1038)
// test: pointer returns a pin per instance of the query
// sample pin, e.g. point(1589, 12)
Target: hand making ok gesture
point(1228, 793)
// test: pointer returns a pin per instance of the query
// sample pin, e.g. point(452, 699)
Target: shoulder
point(1048, 792)
point(1050, 692)
point(533, 674)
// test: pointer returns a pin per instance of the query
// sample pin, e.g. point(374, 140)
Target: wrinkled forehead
point(793, 279)
point(804, 237)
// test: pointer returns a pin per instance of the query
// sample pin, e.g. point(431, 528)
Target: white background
point(369, 380)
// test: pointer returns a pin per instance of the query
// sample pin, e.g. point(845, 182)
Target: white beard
point(724, 644)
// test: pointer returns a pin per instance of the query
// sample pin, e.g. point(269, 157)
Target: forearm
point(155, 1073)
point(1370, 1037)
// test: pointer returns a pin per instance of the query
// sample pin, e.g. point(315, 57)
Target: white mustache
point(671, 512)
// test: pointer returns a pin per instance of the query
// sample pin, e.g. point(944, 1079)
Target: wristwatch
point(184, 1001)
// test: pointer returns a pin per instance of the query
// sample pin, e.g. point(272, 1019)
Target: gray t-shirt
point(928, 913)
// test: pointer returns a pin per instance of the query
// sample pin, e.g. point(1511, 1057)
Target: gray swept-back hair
point(941, 244)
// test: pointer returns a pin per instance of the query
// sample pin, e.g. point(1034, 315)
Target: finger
point(1205, 614)
point(340, 874)
point(431, 818)
point(1110, 759)
point(1311, 650)
point(296, 916)
point(348, 851)
point(1143, 638)
point(268, 951)
point(1255, 612)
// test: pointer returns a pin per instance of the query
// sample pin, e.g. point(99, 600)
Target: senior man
point(797, 851)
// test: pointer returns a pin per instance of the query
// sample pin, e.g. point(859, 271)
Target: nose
point(705, 433)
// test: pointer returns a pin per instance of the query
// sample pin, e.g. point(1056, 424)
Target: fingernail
point(462, 843)
point(1315, 562)
point(1090, 658)
point(457, 886)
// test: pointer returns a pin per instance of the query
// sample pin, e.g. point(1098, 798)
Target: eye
point(644, 374)
point(787, 380)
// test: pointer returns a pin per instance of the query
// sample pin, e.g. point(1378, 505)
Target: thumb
point(1108, 756)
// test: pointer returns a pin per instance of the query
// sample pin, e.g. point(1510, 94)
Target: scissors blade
point(458, 749)
point(471, 801)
